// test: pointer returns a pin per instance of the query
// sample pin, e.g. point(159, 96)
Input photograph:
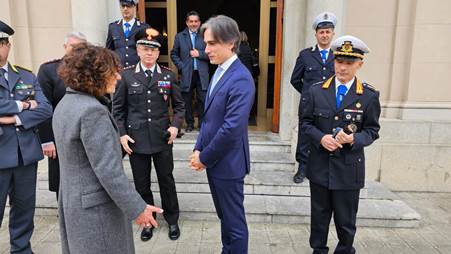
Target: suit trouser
point(195, 85)
point(343, 204)
point(303, 143)
point(164, 165)
point(19, 184)
point(228, 198)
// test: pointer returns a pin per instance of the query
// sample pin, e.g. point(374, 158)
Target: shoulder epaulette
point(318, 83)
point(21, 67)
point(166, 68)
point(53, 61)
point(372, 88)
point(129, 67)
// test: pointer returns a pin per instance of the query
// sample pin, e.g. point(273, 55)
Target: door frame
point(264, 58)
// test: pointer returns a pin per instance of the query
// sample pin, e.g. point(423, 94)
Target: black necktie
point(149, 75)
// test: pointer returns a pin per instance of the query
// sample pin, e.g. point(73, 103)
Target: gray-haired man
point(54, 89)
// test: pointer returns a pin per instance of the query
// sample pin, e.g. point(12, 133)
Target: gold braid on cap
point(347, 49)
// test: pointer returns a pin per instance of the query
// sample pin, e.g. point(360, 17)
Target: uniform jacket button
point(336, 118)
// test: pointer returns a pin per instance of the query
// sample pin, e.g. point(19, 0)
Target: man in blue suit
point(22, 107)
point(222, 147)
point(188, 54)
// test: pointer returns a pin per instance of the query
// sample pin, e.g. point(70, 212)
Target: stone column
point(92, 18)
point(298, 34)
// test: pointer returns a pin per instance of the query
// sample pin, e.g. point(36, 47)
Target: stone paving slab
point(433, 236)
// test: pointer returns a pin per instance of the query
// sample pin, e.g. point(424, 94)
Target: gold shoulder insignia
point(359, 87)
point(21, 67)
point(327, 83)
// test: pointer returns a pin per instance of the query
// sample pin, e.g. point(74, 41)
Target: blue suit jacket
point(184, 62)
point(21, 85)
point(223, 139)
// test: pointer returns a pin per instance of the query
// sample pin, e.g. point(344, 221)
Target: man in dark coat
point(313, 64)
point(188, 54)
point(22, 108)
point(141, 108)
point(121, 33)
point(341, 118)
point(54, 89)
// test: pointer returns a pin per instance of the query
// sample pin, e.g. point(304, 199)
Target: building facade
point(409, 64)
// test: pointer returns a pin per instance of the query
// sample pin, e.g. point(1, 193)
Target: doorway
point(256, 17)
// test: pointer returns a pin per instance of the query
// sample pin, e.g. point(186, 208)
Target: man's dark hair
point(192, 13)
point(4, 41)
point(224, 29)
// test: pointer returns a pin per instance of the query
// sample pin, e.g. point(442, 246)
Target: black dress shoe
point(146, 234)
point(298, 177)
point(189, 128)
point(174, 232)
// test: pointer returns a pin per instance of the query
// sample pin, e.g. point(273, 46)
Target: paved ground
point(433, 236)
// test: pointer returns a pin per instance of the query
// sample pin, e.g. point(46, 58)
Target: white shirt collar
point(319, 48)
point(131, 22)
point(348, 84)
point(5, 67)
point(152, 69)
point(225, 65)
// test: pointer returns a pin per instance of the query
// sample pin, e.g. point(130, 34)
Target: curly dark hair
point(88, 68)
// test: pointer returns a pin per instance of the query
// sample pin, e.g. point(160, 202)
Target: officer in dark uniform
point(54, 90)
point(22, 108)
point(121, 33)
point(341, 118)
point(313, 64)
point(141, 108)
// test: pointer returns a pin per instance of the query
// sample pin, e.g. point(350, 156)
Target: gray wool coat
point(97, 203)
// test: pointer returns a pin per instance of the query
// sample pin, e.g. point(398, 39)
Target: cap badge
point(347, 47)
point(151, 33)
point(326, 16)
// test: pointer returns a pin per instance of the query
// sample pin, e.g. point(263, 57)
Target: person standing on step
point(341, 117)
point(222, 147)
point(188, 54)
point(141, 109)
point(313, 64)
point(121, 33)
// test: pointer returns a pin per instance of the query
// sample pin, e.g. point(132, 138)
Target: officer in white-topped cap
point(340, 119)
point(121, 33)
point(313, 64)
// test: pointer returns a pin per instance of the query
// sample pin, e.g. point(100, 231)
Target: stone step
point(278, 161)
point(257, 142)
point(275, 209)
point(275, 183)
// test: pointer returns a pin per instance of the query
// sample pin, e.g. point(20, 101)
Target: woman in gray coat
point(97, 203)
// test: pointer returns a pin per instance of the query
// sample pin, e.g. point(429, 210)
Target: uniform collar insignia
point(327, 83)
